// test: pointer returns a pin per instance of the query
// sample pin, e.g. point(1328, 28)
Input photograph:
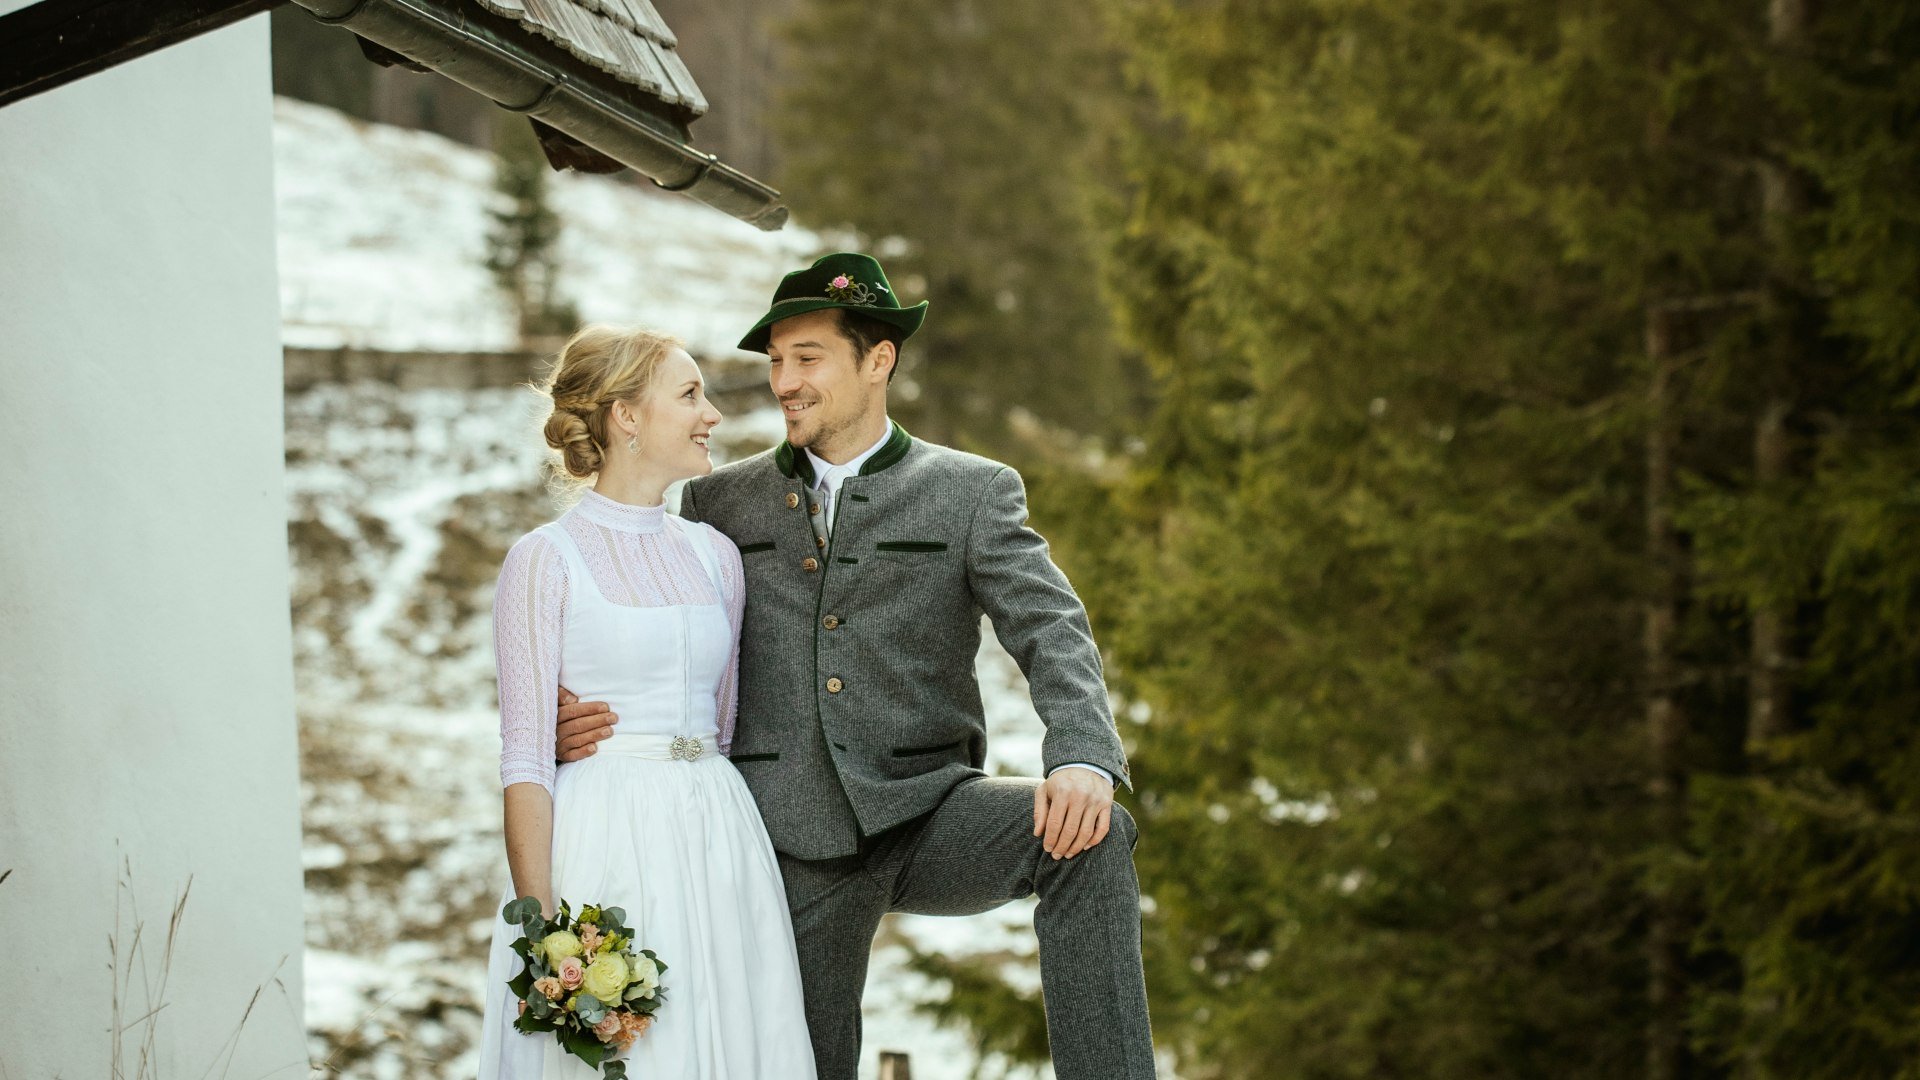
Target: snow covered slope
point(401, 506)
point(383, 236)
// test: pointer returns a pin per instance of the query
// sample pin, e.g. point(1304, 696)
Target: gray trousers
point(974, 853)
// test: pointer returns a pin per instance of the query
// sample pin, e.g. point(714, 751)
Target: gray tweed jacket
point(858, 704)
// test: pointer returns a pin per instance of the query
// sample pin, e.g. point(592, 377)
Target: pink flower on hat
point(841, 282)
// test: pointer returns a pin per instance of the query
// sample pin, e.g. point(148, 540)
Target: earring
point(633, 444)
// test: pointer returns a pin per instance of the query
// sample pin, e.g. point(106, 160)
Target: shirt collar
point(852, 465)
point(619, 516)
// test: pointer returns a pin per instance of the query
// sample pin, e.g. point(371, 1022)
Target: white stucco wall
point(146, 688)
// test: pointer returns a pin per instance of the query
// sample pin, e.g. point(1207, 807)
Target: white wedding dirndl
point(660, 823)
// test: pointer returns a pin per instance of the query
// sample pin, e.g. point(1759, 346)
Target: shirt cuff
point(1095, 769)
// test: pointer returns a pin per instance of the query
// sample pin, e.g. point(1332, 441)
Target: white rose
point(646, 974)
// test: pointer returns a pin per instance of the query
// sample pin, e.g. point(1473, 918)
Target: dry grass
point(140, 986)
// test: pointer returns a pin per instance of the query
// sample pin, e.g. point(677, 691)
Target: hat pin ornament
point(848, 291)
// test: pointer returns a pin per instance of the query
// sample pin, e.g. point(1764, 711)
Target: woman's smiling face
point(676, 419)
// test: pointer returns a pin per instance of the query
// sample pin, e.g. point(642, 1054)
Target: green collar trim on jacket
point(890, 454)
point(794, 464)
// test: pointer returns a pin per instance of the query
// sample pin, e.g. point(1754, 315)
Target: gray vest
point(859, 709)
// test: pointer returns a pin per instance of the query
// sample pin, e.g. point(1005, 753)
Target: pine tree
point(523, 244)
point(1444, 300)
point(1809, 863)
point(966, 143)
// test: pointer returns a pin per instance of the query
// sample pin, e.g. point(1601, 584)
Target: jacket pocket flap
point(909, 545)
point(917, 751)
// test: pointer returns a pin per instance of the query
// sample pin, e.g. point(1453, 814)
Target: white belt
point(655, 747)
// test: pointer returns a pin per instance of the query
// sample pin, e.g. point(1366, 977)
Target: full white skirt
point(681, 847)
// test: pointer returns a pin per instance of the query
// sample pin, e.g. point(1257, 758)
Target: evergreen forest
point(1487, 437)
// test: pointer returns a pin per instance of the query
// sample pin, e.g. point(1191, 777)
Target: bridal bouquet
point(584, 981)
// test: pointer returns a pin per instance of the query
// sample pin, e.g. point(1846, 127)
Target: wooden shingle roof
point(600, 79)
point(627, 39)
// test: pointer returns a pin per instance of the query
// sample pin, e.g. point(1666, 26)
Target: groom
point(870, 557)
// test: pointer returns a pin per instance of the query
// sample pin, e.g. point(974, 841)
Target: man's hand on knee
point(581, 724)
point(1072, 811)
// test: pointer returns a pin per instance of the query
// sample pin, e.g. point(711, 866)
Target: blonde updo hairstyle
point(597, 367)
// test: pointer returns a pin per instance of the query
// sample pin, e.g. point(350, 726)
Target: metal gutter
point(476, 50)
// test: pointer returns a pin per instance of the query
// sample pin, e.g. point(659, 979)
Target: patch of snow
point(383, 239)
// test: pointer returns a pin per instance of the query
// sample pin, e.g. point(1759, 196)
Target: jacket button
point(819, 541)
point(809, 565)
point(793, 500)
point(830, 621)
point(834, 686)
point(813, 508)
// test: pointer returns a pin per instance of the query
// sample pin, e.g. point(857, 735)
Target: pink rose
point(549, 986)
point(571, 972)
point(608, 1027)
point(840, 282)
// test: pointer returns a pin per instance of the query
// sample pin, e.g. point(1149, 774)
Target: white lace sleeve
point(529, 622)
point(733, 579)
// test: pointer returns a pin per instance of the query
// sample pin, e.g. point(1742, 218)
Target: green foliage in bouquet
point(583, 982)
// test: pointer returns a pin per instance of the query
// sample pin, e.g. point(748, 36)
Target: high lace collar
point(622, 517)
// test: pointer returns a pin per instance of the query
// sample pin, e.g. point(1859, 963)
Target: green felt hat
point(845, 279)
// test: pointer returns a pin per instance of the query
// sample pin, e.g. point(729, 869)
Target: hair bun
point(566, 431)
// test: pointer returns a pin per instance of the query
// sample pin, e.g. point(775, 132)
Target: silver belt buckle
point(685, 748)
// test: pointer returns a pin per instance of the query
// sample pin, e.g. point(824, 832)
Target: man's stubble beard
point(825, 431)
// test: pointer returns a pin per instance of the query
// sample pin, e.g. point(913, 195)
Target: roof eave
point(493, 57)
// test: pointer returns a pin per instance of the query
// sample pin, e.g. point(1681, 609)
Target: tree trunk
point(1782, 202)
point(1766, 678)
point(1666, 931)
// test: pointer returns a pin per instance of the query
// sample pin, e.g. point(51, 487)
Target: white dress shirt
point(827, 479)
point(827, 476)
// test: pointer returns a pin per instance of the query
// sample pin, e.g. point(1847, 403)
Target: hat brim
point(907, 319)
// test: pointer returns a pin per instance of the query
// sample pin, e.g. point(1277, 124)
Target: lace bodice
point(636, 561)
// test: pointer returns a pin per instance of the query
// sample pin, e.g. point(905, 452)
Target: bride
point(621, 602)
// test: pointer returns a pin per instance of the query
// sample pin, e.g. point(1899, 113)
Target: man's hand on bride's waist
point(581, 725)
